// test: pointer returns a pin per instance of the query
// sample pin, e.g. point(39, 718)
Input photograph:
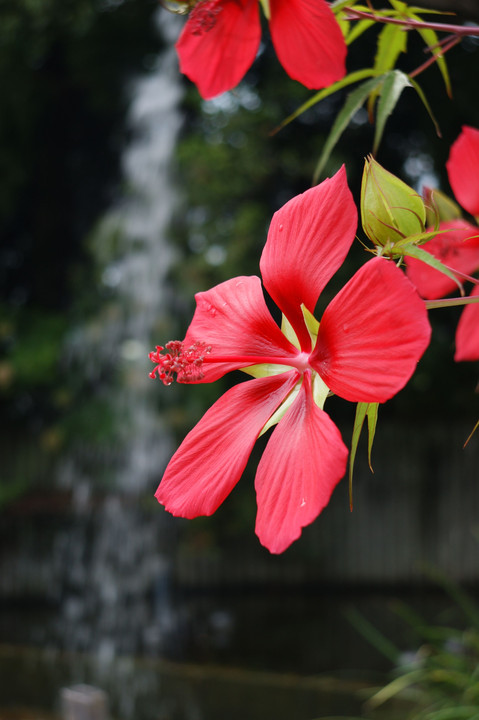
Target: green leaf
point(369, 410)
point(431, 40)
point(344, 82)
point(357, 427)
point(374, 636)
point(372, 413)
point(414, 251)
point(357, 30)
point(420, 92)
point(392, 42)
point(355, 99)
point(391, 91)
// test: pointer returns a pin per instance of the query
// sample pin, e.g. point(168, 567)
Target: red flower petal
point(308, 239)
point(372, 334)
point(216, 58)
point(233, 319)
point(303, 461)
point(308, 41)
point(454, 249)
point(212, 457)
point(467, 333)
point(462, 168)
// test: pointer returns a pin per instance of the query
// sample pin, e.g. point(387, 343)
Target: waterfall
point(110, 562)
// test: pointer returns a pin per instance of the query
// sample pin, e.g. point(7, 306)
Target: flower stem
point(450, 302)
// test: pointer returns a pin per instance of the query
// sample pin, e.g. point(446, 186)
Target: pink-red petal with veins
point(372, 334)
point(233, 319)
point(308, 41)
point(467, 333)
point(302, 463)
point(458, 249)
point(219, 44)
point(308, 239)
point(212, 457)
point(462, 169)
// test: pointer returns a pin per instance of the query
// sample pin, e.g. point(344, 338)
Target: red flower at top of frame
point(458, 247)
point(365, 349)
point(221, 39)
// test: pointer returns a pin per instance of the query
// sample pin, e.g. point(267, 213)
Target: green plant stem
point(450, 302)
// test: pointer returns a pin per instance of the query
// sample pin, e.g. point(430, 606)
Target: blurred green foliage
point(64, 72)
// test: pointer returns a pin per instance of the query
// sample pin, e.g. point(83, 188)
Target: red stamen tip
point(174, 358)
point(203, 16)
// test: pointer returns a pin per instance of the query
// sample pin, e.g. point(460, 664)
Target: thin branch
point(452, 41)
point(410, 24)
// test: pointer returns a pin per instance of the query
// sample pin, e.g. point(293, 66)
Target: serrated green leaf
point(391, 91)
point(410, 250)
point(339, 85)
point(392, 42)
point(354, 100)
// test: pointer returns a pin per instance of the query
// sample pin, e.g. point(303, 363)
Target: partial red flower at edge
point(463, 169)
point(458, 248)
point(221, 39)
point(365, 349)
point(467, 333)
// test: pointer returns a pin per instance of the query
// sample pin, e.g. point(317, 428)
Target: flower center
point(203, 16)
point(174, 358)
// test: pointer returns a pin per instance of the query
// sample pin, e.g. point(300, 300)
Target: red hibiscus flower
point(458, 248)
point(365, 349)
point(221, 39)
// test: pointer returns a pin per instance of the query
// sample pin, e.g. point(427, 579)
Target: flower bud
point(439, 207)
point(390, 209)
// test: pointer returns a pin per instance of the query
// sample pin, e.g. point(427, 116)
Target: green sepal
point(311, 323)
point(265, 369)
point(266, 8)
point(363, 410)
point(288, 331)
point(281, 411)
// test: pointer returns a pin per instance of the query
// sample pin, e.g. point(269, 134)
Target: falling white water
point(134, 274)
point(112, 563)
